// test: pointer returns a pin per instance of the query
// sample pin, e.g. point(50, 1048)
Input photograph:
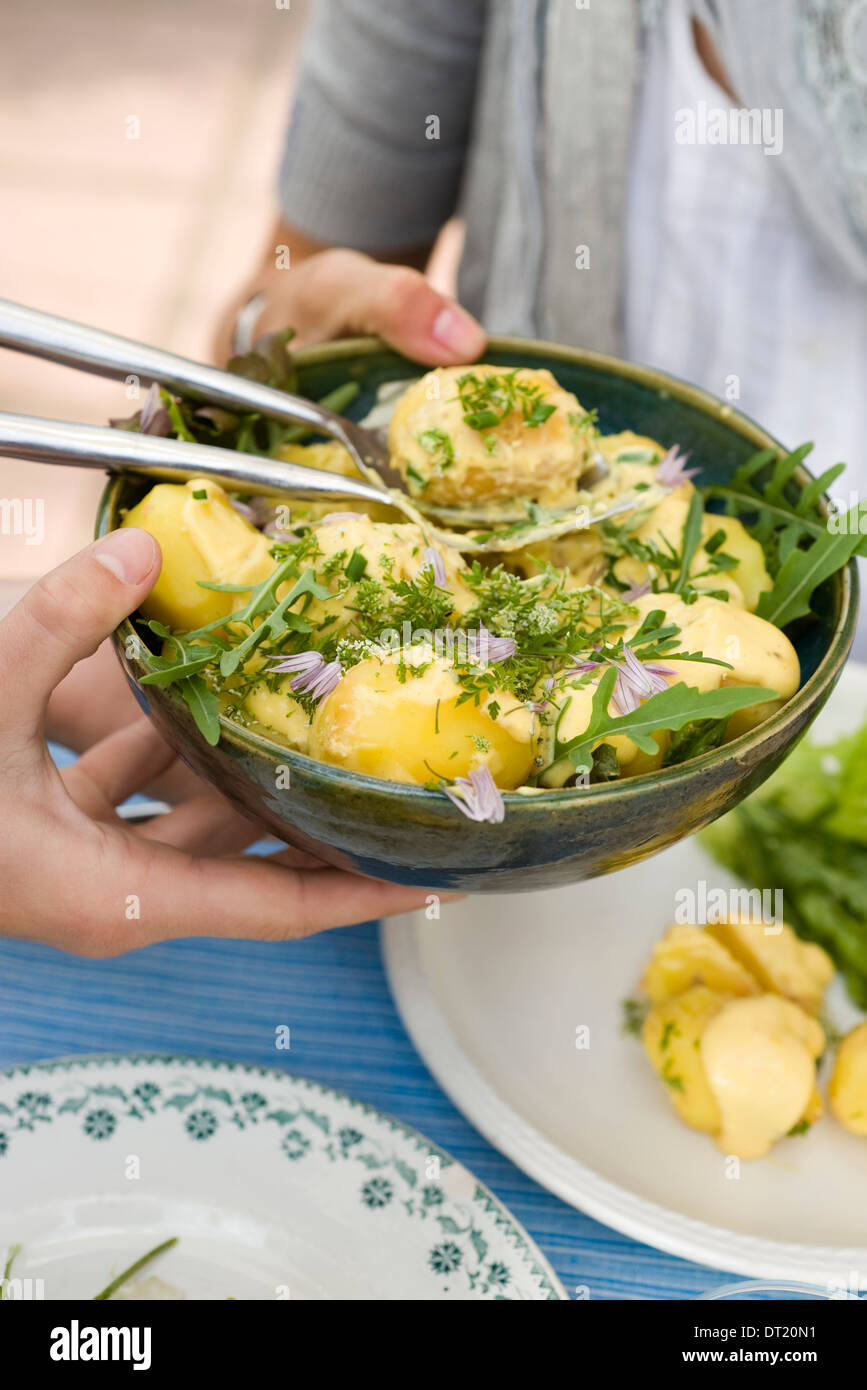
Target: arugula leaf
point(204, 707)
point(273, 625)
point(174, 671)
point(804, 570)
point(670, 709)
point(690, 541)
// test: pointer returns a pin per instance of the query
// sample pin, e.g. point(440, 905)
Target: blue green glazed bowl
point(411, 835)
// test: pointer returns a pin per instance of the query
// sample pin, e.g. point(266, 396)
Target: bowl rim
point(543, 799)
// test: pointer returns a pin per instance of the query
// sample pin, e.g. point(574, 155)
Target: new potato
point(688, 956)
point(778, 959)
point(384, 720)
point(200, 538)
point(672, 1036)
point(448, 461)
point(848, 1090)
point(759, 1057)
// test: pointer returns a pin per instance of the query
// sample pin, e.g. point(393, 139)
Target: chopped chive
point(133, 1269)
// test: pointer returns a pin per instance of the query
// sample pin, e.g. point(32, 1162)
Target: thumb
point(65, 616)
point(403, 307)
point(339, 292)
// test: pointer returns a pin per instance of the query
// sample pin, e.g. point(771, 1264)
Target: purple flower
point(275, 532)
point(477, 796)
point(243, 509)
point(433, 560)
point(484, 649)
point(154, 418)
point(263, 513)
point(636, 680)
point(671, 471)
point(636, 591)
point(537, 706)
point(313, 675)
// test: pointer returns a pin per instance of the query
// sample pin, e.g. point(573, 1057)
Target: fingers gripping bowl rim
point(409, 834)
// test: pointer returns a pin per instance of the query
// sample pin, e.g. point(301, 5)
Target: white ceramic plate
point(492, 996)
point(277, 1188)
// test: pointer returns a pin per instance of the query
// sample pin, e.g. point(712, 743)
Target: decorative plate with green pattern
point(277, 1187)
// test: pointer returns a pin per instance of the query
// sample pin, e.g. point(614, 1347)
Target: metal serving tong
point(118, 451)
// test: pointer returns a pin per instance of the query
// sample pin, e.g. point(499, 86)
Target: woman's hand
point(74, 874)
point(336, 293)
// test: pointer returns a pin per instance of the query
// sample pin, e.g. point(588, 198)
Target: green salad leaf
point(672, 708)
point(204, 707)
point(805, 832)
point(802, 548)
point(803, 571)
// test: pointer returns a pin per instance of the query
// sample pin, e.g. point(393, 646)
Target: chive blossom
point(313, 675)
point(477, 796)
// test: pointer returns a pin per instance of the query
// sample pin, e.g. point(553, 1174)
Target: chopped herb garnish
point(487, 401)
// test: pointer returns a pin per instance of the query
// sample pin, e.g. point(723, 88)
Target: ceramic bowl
point(411, 835)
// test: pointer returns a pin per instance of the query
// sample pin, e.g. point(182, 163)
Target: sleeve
point(381, 120)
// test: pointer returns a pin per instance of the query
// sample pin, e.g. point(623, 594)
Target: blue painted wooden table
point(225, 999)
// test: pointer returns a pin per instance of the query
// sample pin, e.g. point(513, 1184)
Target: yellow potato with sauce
point(538, 449)
point(688, 956)
point(757, 652)
point(848, 1090)
point(279, 711)
point(778, 959)
point(759, 1057)
point(397, 716)
point(739, 1059)
point(741, 1069)
point(672, 1034)
point(202, 537)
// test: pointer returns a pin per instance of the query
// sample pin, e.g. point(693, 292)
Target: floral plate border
point(210, 1098)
